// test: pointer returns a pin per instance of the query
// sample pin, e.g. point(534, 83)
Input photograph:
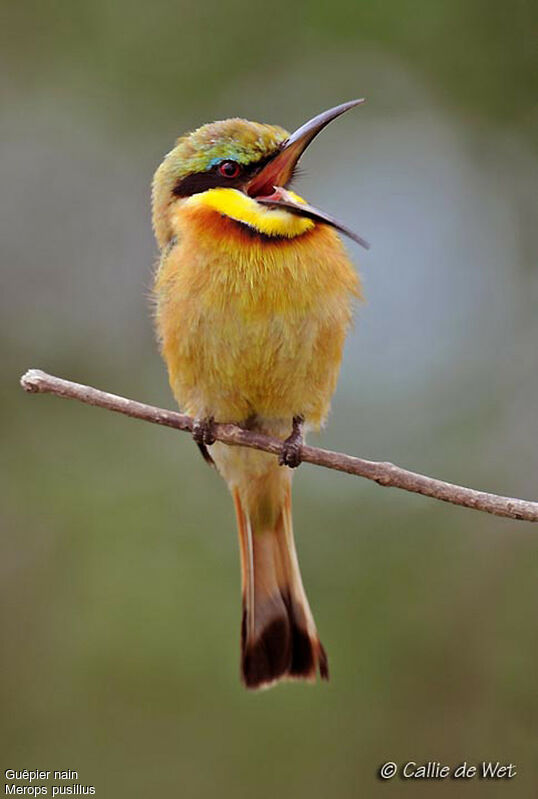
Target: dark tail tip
point(323, 663)
point(267, 658)
point(283, 650)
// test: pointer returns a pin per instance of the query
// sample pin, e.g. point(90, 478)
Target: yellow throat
point(234, 204)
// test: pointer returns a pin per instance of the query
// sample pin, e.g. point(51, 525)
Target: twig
point(386, 474)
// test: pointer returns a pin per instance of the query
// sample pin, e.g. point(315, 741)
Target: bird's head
point(241, 170)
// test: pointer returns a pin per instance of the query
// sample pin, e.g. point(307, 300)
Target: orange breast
point(252, 324)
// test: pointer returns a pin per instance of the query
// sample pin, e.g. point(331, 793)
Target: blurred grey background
point(119, 564)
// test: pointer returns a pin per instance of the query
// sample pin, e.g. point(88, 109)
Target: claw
point(290, 454)
point(203, 435)
point(202, 431)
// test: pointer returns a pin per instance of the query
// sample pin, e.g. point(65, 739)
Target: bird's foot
point(290, 454)
point(203, 435)
point(203, 431)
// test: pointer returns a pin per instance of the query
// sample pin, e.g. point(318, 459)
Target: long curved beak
point(268, 185)
point(284, 199)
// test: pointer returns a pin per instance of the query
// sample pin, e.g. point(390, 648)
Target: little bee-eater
point(254, 292)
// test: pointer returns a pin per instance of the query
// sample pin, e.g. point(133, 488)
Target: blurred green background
point(119, 564)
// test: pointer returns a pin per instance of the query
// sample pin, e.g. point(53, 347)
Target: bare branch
point(386, 474)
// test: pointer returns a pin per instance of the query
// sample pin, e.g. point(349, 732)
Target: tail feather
point(279, 639)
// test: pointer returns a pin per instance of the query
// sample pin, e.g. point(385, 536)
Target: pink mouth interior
point(274, 174)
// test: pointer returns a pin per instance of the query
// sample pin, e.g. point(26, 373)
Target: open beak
point(268, 185)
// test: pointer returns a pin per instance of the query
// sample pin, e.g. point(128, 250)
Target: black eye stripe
point(202, 181)
point(198, 182)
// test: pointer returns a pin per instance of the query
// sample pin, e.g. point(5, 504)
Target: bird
point(254, 294)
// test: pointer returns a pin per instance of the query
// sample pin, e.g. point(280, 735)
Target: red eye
point(229, 169)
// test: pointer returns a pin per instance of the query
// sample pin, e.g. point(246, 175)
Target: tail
point(279, 639)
